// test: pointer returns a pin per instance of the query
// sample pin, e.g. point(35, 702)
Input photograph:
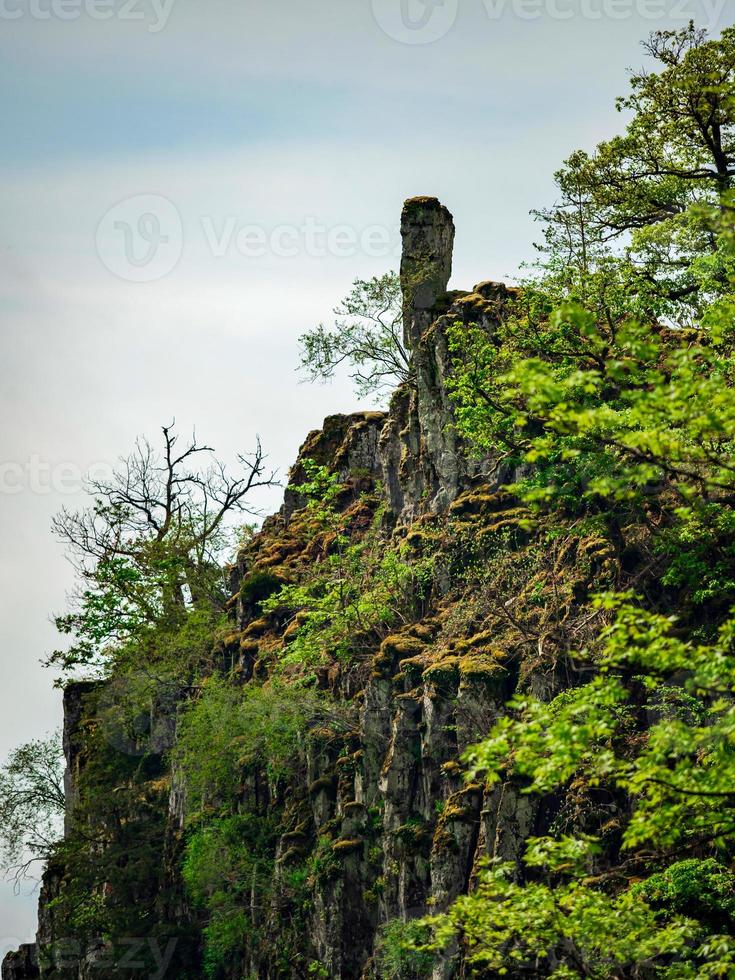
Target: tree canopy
point(609, 392)
point(31, 804)
point(366, 336)
point(149, 549)
point(633, 227)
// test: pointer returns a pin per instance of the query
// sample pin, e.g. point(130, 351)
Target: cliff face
point(380, 808)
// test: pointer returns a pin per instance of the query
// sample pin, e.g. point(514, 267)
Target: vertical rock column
point(427, 232)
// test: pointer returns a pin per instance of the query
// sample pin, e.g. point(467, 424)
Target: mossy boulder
point(413, 668)
point(443, 673)
point(479, 501)
point(392, 650)
point(257, 628)
point(258, 586)
point(325, 784)
point(479, 668)
point(343, 848)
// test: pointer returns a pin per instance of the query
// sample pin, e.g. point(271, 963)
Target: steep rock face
point(21, 965)
point(152, 927)
point(427, 234)
point(398, 831)
point(424, 463)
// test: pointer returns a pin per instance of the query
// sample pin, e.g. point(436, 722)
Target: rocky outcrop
point(427, 235)
point(397, 831)
point(22, 964)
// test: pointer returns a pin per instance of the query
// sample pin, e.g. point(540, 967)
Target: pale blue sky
point(268, 115)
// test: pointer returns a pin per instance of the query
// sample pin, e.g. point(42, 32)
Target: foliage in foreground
point(627, 422)
point(673, 753)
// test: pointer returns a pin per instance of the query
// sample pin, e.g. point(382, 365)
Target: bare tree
point(153, 540)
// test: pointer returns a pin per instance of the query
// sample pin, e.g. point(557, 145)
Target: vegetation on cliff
point(619, 423)
point(490, 733)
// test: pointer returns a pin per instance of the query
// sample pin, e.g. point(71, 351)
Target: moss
point(480, 668)
point(392, 649)
point(445, 301)
point(443, 673)
point(401, 645)
point(382, 666)
point(444, 840)
point(398, 681)
point(413, 668)
point(474, 306)
point(259, 586)
point(408, 701)
point(299, 833)
point(422, 202)
point(293, 855)
point(414, 835)
point(257, 628)
point(324, 735)
point(462, 806)
point(426, 630)
point(423, 540)
point(294, 626)
point(477, 641)
point(344, 847)
point(497, 290)
point(480, 500)
point(359, 516)
point(325, 784)
point(451, 768)
point(279, 552)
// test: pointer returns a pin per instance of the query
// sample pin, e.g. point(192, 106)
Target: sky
point(186, 187)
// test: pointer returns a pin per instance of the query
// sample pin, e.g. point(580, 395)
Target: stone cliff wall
point(403, 829)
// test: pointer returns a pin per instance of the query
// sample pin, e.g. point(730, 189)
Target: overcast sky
point(187, 186)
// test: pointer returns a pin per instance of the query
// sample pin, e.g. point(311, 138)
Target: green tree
point(235, 747)
point(149, 549)
point(677, 764)
point(31, 804)
point(367, 336)
point(613, 418)
point(637, 212)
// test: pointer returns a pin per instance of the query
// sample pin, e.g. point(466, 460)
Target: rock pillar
point(427, 232)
